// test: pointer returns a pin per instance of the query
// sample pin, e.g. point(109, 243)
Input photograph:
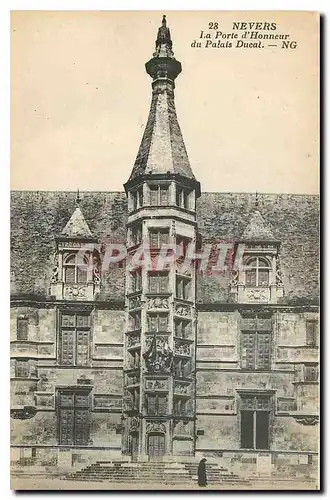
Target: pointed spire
point(77, 226)
point(257, 229)
point(162, 150)
point(164, 42)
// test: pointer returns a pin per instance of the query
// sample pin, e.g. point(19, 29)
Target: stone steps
point(151, 472)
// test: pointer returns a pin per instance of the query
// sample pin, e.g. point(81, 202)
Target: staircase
point(145, 473)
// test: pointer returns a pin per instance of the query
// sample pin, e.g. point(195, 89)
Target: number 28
point(213, 26)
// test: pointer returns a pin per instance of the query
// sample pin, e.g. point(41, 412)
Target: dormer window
point(74, 270)
point(257, 272)
point(158, 195)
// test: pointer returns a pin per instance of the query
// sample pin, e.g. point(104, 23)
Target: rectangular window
point(254, 414)
point(22, 328)
point(183, 243)
point(182, 288)
point(134, 321)
point(137, 199)
point(136, 235)
point(182, 198)
point(159, 195)
point(182, 368)
point(180, 406)
point(311, 333)
point(256, 341)
point(75, 333)
point(158, 282)
point(255, 350)
point(134, 361)
point(21, 368)
point(156, 404)
point(74, 270)
point(182, 328)
point(158, 237)
point(186, 368)
point(73, 410)
point(158, 322)
point(136, 280)
point(263, 277)
point(134, 200)
point(251, 277)
point(69, 275)
point(311, 372)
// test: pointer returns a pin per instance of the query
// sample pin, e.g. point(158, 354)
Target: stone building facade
point(121, 360)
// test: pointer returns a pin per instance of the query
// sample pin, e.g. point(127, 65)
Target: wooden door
point(156, 446)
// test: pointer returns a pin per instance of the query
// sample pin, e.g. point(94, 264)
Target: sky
point(80, 99)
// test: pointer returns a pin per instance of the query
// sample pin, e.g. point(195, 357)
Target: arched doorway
point(156, 446)
point(134, 445)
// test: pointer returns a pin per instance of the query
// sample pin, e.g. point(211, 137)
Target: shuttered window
point(256, 341)
point(22, 328)
point(73, 417)
point(75, 338)
point(158, 282)
point(156, 404)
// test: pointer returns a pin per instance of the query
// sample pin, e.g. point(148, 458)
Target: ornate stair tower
point(159, 348)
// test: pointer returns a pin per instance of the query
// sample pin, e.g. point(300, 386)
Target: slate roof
point(257, 230)
point(77, 226)
point(162, 149)
point(37, 217)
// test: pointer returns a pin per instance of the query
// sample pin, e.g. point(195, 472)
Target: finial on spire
point(164, 42)
point(78, 199)
point(257, 200)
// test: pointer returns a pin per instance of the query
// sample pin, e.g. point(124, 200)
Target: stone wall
point(220, 379)
point(38, 390)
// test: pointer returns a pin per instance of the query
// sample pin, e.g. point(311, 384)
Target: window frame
point(135, 235)
point(255, 270)
point(159, 189)
point(185, 329)
point(157, 276)
point(75, 329)
point(182, 287)
point(22, 321)
point(23, 365)
point(137, 198)
point(158, 321)
point(180, 406)
point(311, 372)
point(254, 411)
point(158, 404)
point(136, 280)
point(159, 233)
point(182, 197)
point(136, 323)
point(312, 342)
point(75, 408)
point(253, 326)
point(77, 270)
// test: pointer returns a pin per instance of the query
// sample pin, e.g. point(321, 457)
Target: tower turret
point(159, 347)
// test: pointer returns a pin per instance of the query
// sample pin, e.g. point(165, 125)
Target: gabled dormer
point(76, 272)
point(258, 277)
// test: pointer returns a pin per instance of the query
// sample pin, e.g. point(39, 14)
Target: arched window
point(74, 271)
point(257, 273)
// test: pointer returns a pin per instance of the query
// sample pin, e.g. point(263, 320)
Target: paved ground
point(34, 483)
